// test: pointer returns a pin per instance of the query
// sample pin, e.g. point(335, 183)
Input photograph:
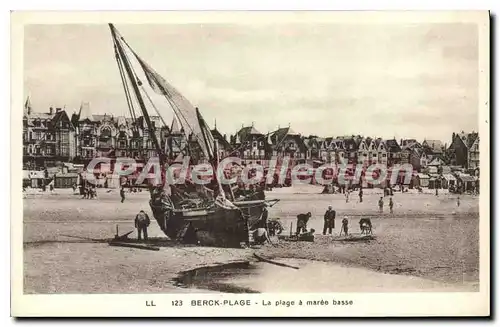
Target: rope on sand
point(273, 262)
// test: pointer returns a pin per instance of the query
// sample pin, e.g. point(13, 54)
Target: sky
point(404, 81)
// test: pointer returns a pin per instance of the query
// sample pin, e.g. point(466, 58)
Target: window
point(385, 155)
point(106, 132)
point(64, 150)
point(254, 144)
point(374, 155)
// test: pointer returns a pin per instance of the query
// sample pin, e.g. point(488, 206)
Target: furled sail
point(185, 112)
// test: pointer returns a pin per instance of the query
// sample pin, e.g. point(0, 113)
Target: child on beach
point(345, 226)
point(381, 204)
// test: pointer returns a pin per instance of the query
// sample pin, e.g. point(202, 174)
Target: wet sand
point(311, 277)
point(428, 239)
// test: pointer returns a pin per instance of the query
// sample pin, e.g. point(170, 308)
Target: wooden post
point(117, 230)
point(291, 228)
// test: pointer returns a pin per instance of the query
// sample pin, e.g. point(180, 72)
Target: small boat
point(200, 214)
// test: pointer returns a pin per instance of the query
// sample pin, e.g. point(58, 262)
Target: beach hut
point(26, 178)
point(34, 178)
point(445, 170)
point(65, 180)
point(467, 182)
point(434, 181)
point(422, 180)
point(448, 180)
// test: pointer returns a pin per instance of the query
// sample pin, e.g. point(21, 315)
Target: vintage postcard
point(182, 164)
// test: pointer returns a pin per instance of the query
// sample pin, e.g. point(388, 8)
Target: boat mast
point(137, 92)
point(201, 121)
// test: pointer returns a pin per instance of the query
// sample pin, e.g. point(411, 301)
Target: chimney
point(58, 109)
point(51, 110)
point(401, 142)
point(225, 137)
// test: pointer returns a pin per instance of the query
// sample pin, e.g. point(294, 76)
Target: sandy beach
point(427, 244)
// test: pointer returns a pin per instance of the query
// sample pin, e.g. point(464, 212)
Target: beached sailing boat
point(202, 214)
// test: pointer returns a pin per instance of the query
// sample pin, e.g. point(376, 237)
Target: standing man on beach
point(360, 195)
point(329, 222)
point(142, 223)
point(391, 204)
point(122, 193)
point(381, 204)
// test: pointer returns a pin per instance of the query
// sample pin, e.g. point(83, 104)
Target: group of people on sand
point(328, 223)
point(89, 192)
point(381, 205)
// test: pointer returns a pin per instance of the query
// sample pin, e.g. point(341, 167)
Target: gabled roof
point(436, 162)
point(471, 138)
point(410, 143)
point(61, 115)
point(174, 127)
point(392, 145)
point(337, 143)
point(280, 134)
point(121, 121)
point(434, 145)
point(368, 141)
point(350, 142)
point(245, 132)
point(218, 136)
point(84, 112)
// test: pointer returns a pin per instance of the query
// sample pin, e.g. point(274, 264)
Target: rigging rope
point(168, 95)
point(156, 109)
point(125, 88)
point(151, 131)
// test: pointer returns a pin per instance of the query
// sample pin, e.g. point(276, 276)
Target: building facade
point(48, 137)
point(53, 137)
point(464, 150)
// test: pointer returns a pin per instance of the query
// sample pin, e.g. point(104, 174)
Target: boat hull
point(214, 226)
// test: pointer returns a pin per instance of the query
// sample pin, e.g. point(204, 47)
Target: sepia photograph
point(202, 161)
